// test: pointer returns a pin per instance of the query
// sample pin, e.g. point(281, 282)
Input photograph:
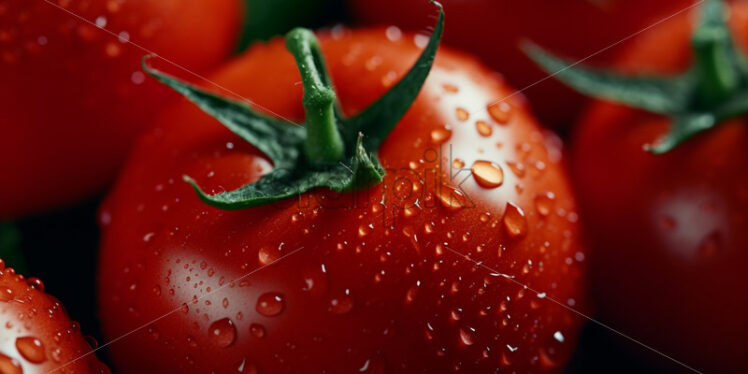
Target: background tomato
point(37, 335)
point(493, 29)
point(669, 230)
point(350, 290)
point(73, 97)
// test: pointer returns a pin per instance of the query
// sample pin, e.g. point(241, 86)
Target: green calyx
point(714, 90)
point(329, 150)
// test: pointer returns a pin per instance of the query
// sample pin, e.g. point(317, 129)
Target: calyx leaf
point(714, 90)
point(329, 150)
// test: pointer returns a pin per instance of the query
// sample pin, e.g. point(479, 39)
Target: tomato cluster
point(364, 199)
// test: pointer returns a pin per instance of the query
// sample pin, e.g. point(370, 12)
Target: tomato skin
point(669, 231)
point(27, 313)
point(357, 295)
point(74, 97)
point(493, 29)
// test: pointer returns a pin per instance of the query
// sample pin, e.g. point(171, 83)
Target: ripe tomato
point(493, 29)
point(669, 230)
point(37, 335)
point(74, 96)
point(328, 284)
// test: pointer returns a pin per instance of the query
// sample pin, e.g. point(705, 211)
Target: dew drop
point(270, 304)
point(458, 163)
point(544, 203)
point(488, 174)
point(341, 303)
point(484, 129)
point(452, 198)
point(515, 222)
point(222, 332)
point(501, 112)
point(6, 294)
point(440, 136)
point(462, 114)
point(467, 336)
point(450, 88)
point(36, 283)
point(32, 349)
point(267, 255)
point(257, 330)
point(411, 294)
point(10, 365)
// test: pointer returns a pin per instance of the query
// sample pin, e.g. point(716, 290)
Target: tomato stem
point(324, 144)
point(718, 76)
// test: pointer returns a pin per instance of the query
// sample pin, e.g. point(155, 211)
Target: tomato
point(493, 29)
point(37, 335)
point(74, 96)
point(669, 231)
point(348, 282)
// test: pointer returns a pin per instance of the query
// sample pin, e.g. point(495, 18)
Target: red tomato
point(367, 287)
point(37, 335)
point(669, 230)
point(74, 96)
point(493, 29)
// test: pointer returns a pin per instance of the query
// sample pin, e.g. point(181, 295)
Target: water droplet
point(32, 349)
point(6, 294)
point(467, 336)
point(36, 283)
point(10, 365)
point(488, 174)
point(544, 203)
point(462, 114)
point(452, 198)
point(558, 336)
point(450, 88)
point(364, 230)
point(440, 136)
point(222, 332)
point(270, 304)
point(112, 49)
point(484, 129)
point(517, 168)
point(411, 294)
point(501, 112)
point(257, 330)
point(393, 33)
point(101, 22)
point(267, 255)
point(515, 222)
point(341, 303)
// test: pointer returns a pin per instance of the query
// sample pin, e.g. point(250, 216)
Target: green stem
point(323, 145)
point(717, 74)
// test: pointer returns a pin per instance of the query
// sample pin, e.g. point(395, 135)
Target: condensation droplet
point(10, 365)
point(222, 332)
point(544, 203)
point(462, 114)
point(501, 112)
point(440, 136)
point(484, 129)
point(487, 174)
point(270, 304)
point(467, 336)
point(257, 330)
point(341, 303)
point(32, 349)
point(515, 222)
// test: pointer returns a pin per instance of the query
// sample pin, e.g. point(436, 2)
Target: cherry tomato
point(669, 230)
point(474, 273)
point(493, 30)
point(74, 96)
point(37, 335)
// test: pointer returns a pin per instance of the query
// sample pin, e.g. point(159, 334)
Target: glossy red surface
point(357, 286)
point(74, 97)
point(669, 232)
point(36, 335)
